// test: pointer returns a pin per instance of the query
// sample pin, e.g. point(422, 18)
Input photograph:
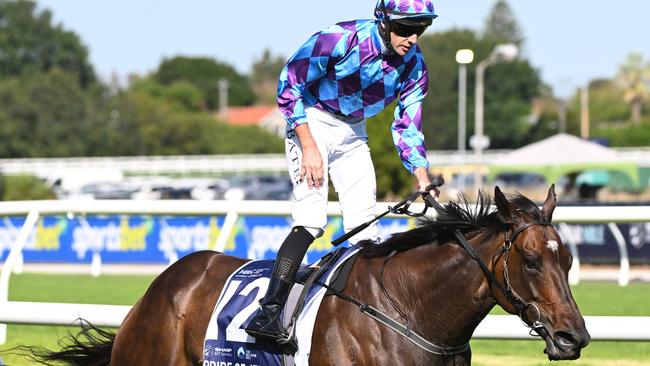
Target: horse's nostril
point(566, 340)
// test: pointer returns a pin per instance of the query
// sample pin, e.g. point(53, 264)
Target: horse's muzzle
point(566, 345)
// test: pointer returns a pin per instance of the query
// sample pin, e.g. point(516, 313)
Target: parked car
point(152, 188)
point(264, 187)
point(213, 189)
point(103, 190)
point(68, 183)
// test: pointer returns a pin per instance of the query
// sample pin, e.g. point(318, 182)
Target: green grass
point(110, 289)
point(604, 298)
point(592, 298)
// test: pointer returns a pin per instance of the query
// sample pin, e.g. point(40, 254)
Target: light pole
point(500, 53)
point(223, 86)
point(463, 57)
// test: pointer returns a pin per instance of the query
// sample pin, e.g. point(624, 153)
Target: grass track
point(592, 298)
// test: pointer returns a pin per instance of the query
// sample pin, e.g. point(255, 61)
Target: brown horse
point(422, 279)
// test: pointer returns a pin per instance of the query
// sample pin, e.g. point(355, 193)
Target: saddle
point(313, 273)
point(227, 342)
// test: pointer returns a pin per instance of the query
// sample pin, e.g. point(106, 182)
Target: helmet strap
point(384, 32)
point(384, 29)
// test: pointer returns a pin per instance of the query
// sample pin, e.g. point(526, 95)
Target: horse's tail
point(92, 346)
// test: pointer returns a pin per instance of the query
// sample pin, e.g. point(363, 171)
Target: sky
point(569, 41)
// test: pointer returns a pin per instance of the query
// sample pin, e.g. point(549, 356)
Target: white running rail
point(34, 209)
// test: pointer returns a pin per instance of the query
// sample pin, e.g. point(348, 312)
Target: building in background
point(265, 116)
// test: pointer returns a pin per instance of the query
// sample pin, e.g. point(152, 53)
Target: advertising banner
point(160, 239)
point(123, 239)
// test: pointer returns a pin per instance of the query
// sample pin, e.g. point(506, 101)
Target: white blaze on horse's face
point(552, 245)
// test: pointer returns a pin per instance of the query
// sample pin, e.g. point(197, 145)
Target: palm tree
point(634, 79)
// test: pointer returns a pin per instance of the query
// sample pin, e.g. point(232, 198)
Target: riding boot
point(267, 323)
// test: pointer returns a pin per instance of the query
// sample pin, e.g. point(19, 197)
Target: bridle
point(520, 305)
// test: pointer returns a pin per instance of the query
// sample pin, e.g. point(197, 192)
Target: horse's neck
point(452, 295)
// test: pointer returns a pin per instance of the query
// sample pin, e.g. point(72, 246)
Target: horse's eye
point(531, 263)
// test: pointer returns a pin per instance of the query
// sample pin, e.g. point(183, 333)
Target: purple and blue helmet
point(412, 12)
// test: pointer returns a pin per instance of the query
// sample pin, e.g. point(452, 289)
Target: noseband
point(508, 291)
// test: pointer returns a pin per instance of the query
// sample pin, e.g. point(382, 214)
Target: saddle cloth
point(227, 343)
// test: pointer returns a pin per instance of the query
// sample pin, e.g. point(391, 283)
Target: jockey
point(340, 77)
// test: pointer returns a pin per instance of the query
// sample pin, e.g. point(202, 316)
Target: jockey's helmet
point(407, 12)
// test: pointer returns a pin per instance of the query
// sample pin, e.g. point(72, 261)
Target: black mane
point(456, 215)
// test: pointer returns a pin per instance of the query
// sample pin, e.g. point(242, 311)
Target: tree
point(606, 105)
point(30, 43)
point(24, 187)
point(634, 79)
point(510, 88)
point(440, 113)
point(204, 74)
point(264, 76)
point(180, 94)
point(43, 115)
point(392, 178)
point(153, 119)
point(502, 26)
point(630, 136)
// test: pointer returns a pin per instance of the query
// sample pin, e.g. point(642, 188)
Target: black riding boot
point(267, 324)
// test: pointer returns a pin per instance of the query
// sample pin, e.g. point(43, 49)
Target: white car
point(211, 190)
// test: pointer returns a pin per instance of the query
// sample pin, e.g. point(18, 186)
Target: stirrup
point(272, 337)
point(262, 332)
point(289, 344)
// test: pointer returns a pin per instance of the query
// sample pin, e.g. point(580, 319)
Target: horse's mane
point(458, 215)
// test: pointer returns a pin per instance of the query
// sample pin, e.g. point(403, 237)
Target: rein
point(509, 292)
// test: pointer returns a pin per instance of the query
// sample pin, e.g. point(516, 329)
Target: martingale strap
point(412, 336)
point(400, 328)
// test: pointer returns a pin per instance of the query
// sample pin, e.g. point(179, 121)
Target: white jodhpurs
point(343, 145)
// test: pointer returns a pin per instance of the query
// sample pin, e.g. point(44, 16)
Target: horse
point(438, 280)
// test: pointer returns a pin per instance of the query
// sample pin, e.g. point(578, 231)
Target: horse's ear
point(504, 208)
point(549, 204)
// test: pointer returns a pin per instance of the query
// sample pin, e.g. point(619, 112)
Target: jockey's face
point(403, 37)
point(402, 45)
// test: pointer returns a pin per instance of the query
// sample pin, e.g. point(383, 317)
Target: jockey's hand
point(311, 168)
point(422, 176)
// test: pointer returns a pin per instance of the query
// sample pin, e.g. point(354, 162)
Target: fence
point(494, 327)
point(602, 328)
